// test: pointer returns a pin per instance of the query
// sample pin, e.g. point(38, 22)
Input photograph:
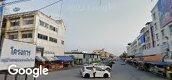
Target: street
point(119, 72)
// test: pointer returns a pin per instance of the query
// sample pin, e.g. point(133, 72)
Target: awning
point(39, 58)
point(65, 58)
point(160, 64)
point(55, 58)
point(47, 58)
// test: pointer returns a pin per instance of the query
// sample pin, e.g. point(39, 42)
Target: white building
point(37, 28)
point(163, 25)
point(81, 57)
point(157, 33)
point(132, 48)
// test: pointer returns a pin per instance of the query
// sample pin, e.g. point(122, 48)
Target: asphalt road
point(119, 72)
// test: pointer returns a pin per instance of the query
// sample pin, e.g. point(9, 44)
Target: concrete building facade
point(156, 36)
point(102, 53)
point(145, 42)
point(37, 28)
point(82, 57)
point(162, 20)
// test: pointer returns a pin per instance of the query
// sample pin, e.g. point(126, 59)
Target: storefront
point(67, 61)
point(54, 63)
point(39, 61)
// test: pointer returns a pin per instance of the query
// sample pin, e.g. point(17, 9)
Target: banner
point(142, 39)
point(17, 53)
point(165, 12)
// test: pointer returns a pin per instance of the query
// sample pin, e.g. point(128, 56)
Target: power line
point(14, 2)
point(50, 5)
point(60, 12)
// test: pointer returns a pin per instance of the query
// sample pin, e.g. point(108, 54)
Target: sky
point(95, 24)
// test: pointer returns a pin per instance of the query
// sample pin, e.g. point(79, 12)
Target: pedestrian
point(94, 71)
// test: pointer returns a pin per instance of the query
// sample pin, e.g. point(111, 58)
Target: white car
point(87, 72)
point(102, 66)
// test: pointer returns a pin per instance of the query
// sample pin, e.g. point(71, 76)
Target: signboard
point(17, 53)
point(165, 12)
point(142, 39)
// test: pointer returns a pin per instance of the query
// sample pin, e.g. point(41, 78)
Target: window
point(28, 21)
point(84, 55)
point(62, 42)
point(154, 16)
point(43, 24)
point(89, 68)
point(46, 25)
point(99, 69)
point(154, 42)
point(41, 36)
point(52, 39)
point(4, 24)
point(157, 44)
point(157, 37)
point(162, 33)
point(27, 35)
point(155, 26)
point(148, 45)
point(15, 23)
point(170, 28)
point(52, 28)
point(13, 36)
point(40, 49)
point(56, 29)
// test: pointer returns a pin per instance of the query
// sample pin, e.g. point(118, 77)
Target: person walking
point(94, 71)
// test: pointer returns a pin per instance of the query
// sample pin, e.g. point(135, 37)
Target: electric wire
point(50, 5)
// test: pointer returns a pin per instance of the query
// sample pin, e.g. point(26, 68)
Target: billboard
point(165, 12)
point(17, 53)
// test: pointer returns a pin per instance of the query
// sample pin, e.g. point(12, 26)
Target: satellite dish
point(16, 9)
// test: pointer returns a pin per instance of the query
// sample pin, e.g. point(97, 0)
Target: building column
point(20, 27)
point(34, 32)
point(7, 27)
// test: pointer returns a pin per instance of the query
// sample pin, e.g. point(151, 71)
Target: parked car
point(87, 72)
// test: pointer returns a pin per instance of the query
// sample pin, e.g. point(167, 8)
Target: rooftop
point(29, 13)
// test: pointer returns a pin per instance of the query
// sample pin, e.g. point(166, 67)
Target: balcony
point(12, 29)
point(17, 28)
point(27, 28)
